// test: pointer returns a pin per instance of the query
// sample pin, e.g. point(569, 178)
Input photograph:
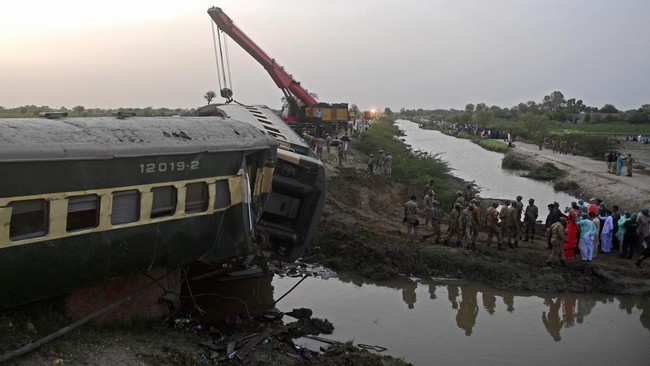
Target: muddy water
point(471, 162)
point(470, 324)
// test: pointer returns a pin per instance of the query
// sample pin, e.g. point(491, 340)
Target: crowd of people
point(487, 133)
point(617, 160)
point(584, 229)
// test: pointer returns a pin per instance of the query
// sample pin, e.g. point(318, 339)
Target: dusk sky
point(374, 53)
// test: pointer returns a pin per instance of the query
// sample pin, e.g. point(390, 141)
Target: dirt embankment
point(591, 176)
point(362, 231)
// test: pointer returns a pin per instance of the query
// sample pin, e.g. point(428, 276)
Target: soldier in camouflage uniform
point(476, 215)
point(530, 218)
point(435, 223)
point(460, 199)
point(519, 206)
point(466, 221)
point(411, 216)
point(453, 225)
point(491, 222)
point(557, 236)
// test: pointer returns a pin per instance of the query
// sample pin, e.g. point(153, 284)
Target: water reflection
point(563, 310)
point(408, 294)
point(552, 321)
point(458, 322)
point(466, 316)
point(432, 291)
point(489, 301)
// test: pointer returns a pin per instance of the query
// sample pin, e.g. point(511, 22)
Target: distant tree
point(402, 110)
point(354, 109)
point(388, 112)
point(535, 124)
point(209, 95)
point(469, 108)
point(481, 118)
point(79, 109)
point(532, 107)
point(554, 102)
point(642, 115)
point(608, 108)
point(147, 112)
point(481, 107)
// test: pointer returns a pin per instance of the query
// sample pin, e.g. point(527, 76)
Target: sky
point(374, 53)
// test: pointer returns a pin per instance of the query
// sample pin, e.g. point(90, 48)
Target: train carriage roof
point(265, 119)
point(106, 137)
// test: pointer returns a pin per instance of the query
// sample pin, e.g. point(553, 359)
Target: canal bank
point(629, 193)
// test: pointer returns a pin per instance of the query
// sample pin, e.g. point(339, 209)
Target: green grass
point(492, 145)
point(621, 129)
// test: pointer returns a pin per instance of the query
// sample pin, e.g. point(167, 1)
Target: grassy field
point(619, 129)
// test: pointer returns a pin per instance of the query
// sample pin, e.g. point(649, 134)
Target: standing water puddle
point(470, 324)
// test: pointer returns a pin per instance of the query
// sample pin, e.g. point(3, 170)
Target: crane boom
point(282, 79)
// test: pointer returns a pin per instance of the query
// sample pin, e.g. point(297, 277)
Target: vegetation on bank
point(415, 167)
point(546, 171)
point(488, 144)
point(595, 145)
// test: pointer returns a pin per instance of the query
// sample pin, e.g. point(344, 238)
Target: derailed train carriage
point(292, 212)
point(87, 199)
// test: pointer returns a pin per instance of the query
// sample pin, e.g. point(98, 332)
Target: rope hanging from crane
point(223, 64)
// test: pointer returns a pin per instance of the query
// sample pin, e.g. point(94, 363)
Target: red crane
point(285, 81)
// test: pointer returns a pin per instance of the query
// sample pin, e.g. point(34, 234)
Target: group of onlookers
point(616, 161)
point(584, 229)
point(594, 228)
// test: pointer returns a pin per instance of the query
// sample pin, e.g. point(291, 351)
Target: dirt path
point(630, 193)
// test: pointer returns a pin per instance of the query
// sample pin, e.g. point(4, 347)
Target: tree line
point(81, 111)
point(554, 107)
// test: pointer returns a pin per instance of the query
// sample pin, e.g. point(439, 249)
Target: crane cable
point(223, 68)
point(225, 42)
point(216, 56)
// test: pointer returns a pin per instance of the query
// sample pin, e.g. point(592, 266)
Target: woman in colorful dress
point(572, 231)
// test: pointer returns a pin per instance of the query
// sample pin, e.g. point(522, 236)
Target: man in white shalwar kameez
point(607, 233)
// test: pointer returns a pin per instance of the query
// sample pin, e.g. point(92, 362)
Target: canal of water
point(473, 163)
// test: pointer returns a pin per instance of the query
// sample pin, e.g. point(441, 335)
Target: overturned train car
point(293, 209)
point(87, 199)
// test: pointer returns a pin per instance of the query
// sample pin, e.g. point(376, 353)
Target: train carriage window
point(29, 219)
point(164, 201)
point(83, 212)
point(126, 207)
point(196, 197)
point(222, 198)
